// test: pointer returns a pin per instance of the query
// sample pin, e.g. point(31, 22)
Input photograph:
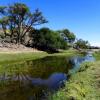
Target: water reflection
point(32, 80)
point(76, 61)
point(53, 82)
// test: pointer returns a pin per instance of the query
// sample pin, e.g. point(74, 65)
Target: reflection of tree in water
point(45, 67)
point(17, 91)
point(18, 79)
point(42, 68)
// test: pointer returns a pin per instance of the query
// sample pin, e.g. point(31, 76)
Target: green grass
point(97, 55)
point(17, 57)
point(84, 85)
point(66, 53)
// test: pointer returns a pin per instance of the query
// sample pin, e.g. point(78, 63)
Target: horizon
point(79, 16)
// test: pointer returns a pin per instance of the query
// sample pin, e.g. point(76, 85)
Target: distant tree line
point(82, 44)
point(17, 24)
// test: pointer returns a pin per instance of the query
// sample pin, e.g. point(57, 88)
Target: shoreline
point(83, 85)
point(24, 56)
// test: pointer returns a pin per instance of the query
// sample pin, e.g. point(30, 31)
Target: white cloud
point(95, 44)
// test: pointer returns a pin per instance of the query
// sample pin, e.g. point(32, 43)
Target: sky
point(81, 17)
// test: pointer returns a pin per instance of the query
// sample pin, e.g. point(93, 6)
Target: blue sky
point(80, 16)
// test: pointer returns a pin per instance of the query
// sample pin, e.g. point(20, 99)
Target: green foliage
point(48, 39)
point(68, 35)
point(81, 44)
point(4, 22)
point(2, 10)
point(85, 66)
point(97, 55)
point(17, 22)
point(20, 21)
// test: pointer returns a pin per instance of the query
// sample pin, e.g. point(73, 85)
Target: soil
point(16, 48)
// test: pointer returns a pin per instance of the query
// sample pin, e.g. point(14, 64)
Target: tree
point(20, 20)
point(2, 10)
point(48, 40)
point(69, 36)
point(81, 44)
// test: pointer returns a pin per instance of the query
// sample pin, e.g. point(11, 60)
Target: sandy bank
point(15, 48)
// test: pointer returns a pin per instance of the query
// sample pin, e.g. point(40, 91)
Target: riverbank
point(17, 57)
point(16, 48)
point(84, 85)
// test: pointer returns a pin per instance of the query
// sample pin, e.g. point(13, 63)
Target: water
point(33, 80)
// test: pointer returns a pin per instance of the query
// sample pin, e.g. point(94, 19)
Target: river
point(34, 80)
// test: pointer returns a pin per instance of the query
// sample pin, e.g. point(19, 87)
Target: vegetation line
point(17, 27)
point(17, 57)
